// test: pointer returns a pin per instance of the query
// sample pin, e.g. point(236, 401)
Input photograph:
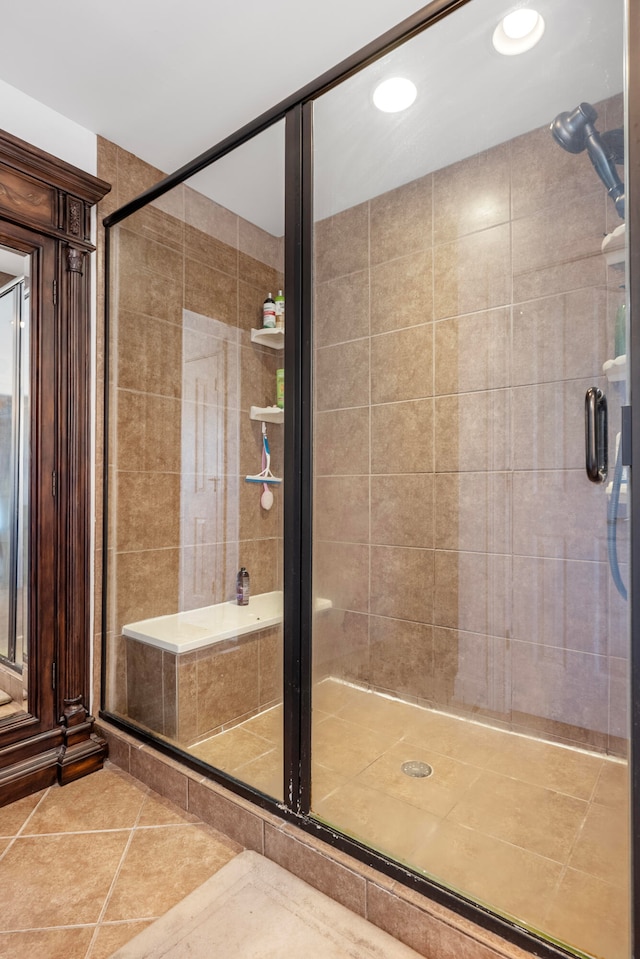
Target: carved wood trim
point(25, 197)
point(42, 192)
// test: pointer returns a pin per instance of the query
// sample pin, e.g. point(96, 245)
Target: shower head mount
point(575, 131)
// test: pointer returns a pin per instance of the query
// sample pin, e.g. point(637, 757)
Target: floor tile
point(348, 748)
point(14, 816)
point(543, 821)
point(255, 908)
point(465, 741)
point(104, 800)
point(110, 936)
point(591, 915)
point(377, 712)
point(329, 696)
point(157, 811)
point(264, 773)
point(386, 823)
point(63, 879)
point(498, 874)
point(52, 943)
point(437, 793)
point(267, 724)
point(231, 749)
point(324, 781)
point(602, 847)
point(612, 788)
point(178, 857)
point(544, 764)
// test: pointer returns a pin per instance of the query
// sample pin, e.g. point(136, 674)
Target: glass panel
point(14, 480)
point(196, 454)
point(471, 655)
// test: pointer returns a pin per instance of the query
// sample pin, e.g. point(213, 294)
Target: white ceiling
point(167, 80)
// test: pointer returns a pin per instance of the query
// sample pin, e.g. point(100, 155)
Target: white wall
point(32, 121)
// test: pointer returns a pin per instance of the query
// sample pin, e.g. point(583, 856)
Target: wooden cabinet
point(45, 210)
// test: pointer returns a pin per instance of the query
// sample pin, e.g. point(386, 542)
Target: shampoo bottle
point(242, 587)
point(269, 312)
point(280, 389)
point(280, 311)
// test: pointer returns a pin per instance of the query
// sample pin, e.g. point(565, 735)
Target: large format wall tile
point(473, 352)
point(341, 574)
point(402, 657)
point(342, 442)
point(342, 509)
point(561, 603)
point(149, 294)
point(472, 431)
point(561, 337)
point(473, 273)
point(147, 584)
point(210, 292)
point(559, 513)
point(402, 437)
point(559, 235)
point(548, 425)
point(342, 376)
point(471, 195)
point(401, 292)
point(473, 592)
point(148, 432)
point(342, 243)
point(402, 364)
point(545, 176)
point(472, 675)
point(473, 511)
point(561, 685)
point(341, 309)
point(148, 510)
point(148, 354)
point(401, 221)
point(402, 510)
point(402, 583)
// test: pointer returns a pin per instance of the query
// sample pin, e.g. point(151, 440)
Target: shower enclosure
point(434, 665)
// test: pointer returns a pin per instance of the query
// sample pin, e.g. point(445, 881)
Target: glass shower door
point(470, 676)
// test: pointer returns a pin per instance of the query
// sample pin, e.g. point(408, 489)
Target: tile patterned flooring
point(86, 867)
point(535, 830)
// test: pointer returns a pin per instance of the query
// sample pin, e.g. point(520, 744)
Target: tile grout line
point(116, 876)
point(25, 823)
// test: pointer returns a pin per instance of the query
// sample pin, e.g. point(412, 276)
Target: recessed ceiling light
point(518, 31)
point(394, 95)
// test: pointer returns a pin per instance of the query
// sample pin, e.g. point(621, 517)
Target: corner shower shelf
point(269, 336)
point(267, 414)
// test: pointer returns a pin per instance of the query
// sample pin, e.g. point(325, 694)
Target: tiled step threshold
point(429, 928)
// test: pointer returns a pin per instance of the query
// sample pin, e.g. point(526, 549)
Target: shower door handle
point(595, 434)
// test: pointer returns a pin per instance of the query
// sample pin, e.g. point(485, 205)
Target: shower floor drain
point(416, 769)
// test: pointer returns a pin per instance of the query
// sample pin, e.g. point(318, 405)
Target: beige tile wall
point(183, 253)
point(459, 320)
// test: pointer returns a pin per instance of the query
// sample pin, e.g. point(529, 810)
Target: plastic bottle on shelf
point(279, 310)
point(269, 313)
point(280, 389)
point(242, 587)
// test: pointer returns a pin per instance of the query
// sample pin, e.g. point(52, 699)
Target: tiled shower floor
point(535, 830)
